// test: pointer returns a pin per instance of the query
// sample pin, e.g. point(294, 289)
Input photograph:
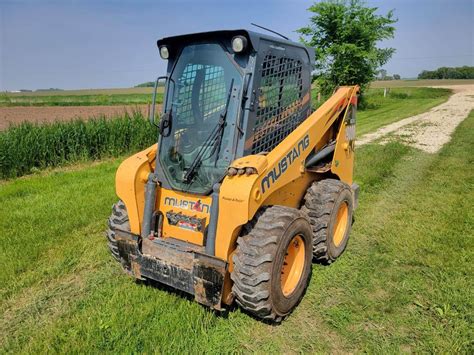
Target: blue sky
point(102, 44)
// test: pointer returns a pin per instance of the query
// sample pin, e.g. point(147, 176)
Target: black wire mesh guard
point(211, 92)
point(279, 102)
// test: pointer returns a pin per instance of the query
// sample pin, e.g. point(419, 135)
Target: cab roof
point(254, 39)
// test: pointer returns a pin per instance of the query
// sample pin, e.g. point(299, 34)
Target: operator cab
point(227, 94)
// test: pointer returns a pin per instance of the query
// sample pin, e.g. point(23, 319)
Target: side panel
point(234, 204)
point(130, 181)
point(292, 194)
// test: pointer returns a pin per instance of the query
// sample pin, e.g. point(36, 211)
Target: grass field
point(399, 103)
point(133, 96)
point(377, 111)
point(28, 147)
point(77, 100)
point(127, 96)
point(118, 91)
point(404, 284)
point(418, 83)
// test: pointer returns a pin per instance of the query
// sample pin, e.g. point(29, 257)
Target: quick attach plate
point(179, 265)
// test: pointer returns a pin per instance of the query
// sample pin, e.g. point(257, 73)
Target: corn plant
point(31, 146)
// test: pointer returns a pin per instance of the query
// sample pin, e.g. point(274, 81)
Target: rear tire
point(118, 220)
point(272, 263)
point(329, 205)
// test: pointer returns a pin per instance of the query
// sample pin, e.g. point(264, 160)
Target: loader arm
point(281, 176)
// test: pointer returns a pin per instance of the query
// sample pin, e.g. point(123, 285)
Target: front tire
point(272, 263)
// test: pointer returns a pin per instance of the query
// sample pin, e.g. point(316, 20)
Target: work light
point(239, 43)
point(164, 52)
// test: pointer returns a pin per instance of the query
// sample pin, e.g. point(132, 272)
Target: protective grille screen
point(208, 84)
point(279, 102)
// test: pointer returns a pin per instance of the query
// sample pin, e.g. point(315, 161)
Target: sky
point(105, 44)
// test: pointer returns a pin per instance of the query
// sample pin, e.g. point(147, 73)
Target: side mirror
point(152, 117)
point(164, 122)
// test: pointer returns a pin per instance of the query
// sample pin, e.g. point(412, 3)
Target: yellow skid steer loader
point(246, 186)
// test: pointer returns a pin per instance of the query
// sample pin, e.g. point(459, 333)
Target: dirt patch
point(430, 130)
point(17, 114)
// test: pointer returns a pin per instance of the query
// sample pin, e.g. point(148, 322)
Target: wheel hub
point(293, 265)
point(340, 226)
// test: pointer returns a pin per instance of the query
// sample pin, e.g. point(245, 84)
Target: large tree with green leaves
point(345, 35)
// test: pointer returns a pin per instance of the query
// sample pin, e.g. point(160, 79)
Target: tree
point(396, 77)
point(345, 34)
point(148, 84)
point(464, 72)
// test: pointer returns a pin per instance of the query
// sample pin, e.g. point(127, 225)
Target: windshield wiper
point(211, 140)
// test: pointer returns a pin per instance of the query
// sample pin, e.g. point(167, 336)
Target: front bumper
point(175, 263)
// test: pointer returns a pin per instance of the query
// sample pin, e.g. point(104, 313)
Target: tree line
point(464, 72)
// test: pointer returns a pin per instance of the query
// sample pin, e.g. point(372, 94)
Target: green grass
point(77, 100)
point(31, 146)
point(27, 147)
point(85, 92)
point(137, 96)
point(378, 111)
point(404, 283)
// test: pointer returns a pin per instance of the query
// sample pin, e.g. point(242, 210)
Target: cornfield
point(28, 146)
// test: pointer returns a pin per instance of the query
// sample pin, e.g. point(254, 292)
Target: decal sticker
point(284, 163)
point(187, 204)
point(186, 222)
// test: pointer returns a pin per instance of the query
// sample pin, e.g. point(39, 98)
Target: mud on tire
point(260, 256)
point(322, 202)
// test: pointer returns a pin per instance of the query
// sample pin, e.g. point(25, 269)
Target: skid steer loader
point(246, 186)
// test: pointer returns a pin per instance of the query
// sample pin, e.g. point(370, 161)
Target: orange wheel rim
point(341, 224)
point(293, 265)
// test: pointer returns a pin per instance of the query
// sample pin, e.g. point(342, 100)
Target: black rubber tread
point(118, 220)
point(319, 203)
point(254, 259)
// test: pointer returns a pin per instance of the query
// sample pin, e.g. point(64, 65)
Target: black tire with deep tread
point(118, 220)
point(320, 204)
point(260, 251)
